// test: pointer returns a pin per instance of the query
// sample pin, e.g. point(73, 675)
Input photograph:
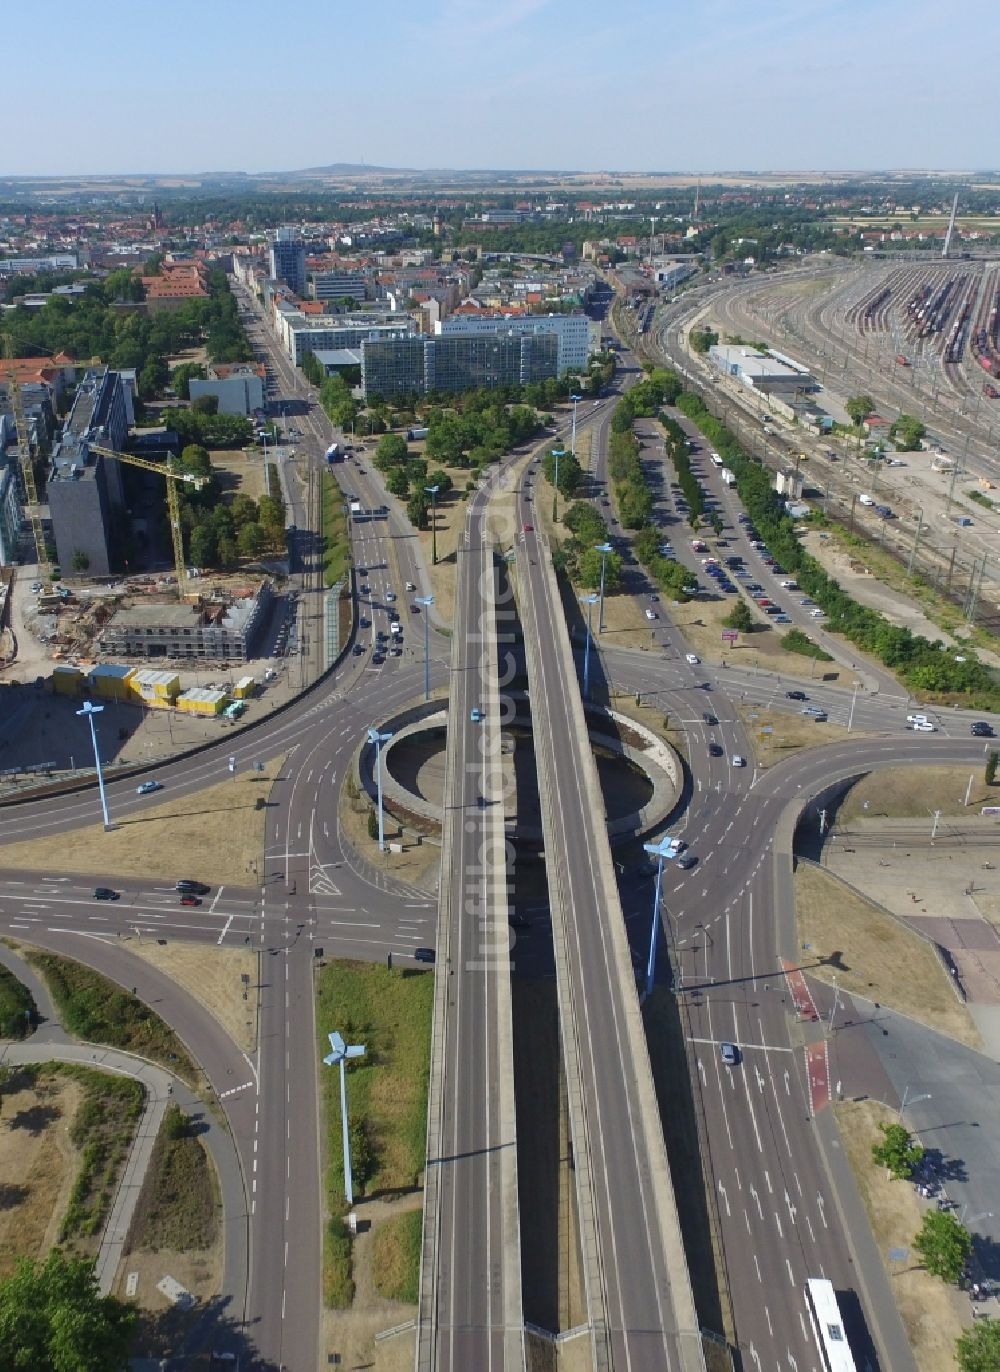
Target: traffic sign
point(730, 635)
point(767, 729)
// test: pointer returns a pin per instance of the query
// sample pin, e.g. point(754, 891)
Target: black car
point(424, 954)
point(709, 718)
point(686, 860)
point(980, 729)
point(105, 893)
point(715, 750)
point(796, 695)
point(191, 888)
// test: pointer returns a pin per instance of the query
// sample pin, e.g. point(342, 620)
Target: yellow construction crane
point(32, 507)
point(173, 477)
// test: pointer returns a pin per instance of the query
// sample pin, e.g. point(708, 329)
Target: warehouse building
point(770, 373)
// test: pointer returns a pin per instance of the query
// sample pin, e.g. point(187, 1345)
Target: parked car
point(188, 887)
point(980, 729)
point(105, 893)
point(190, 900)
point(796, 695)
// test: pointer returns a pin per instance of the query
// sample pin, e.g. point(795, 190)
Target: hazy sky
point(199, 85)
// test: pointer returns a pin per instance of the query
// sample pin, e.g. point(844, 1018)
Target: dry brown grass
point(240, 473)
point(876, 956)
point(212, 975)
point(38, 1165)
point(418, 864)
point(903, 792)
point(790, 732)
point(219, 831)
point(931, 1311)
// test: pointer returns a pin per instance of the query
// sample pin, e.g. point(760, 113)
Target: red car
point(190, 900)
point(529, 528)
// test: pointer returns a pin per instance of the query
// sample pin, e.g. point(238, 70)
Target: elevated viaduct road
point(470, 1312)
point(635, 1273)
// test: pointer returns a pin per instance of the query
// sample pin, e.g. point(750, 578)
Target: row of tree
point(407, 477)
point(921, 664)
point(578, 555)
point(101, 324)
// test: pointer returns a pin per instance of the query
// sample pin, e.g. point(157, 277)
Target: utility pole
point(968, 789)
point(822, 823)
point(916, 539)
point(951, 490)
point(934, 826)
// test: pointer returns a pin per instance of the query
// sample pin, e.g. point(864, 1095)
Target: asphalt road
point(634, 1302)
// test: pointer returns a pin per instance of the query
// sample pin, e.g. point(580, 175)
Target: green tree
point(589, 570)
point(251, 540)
point(312, 370)
point(203, 548)
point(978, 1348)
point(442, 480)
point(244, 510)
point(897, 1152)
point(391, 452)
point(53, 1319)
point(397, 482)
point(703, 339)
point(907, 432)
point(372, 824)
point(416, 509)
point(944, 1245)
point(740, 618)
point(79, 561)
point(271, 512)
point(182, 376)
point(205, 404)
point(227, 552)
point(991, 768)
point(859, 406)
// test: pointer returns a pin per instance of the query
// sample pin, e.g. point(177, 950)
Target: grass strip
point(336, 532)
point(180, 1205)
point(17, 1009)
point(390, 1013)
point(102, 1129)
point(396, 1257)
point(100, 1011)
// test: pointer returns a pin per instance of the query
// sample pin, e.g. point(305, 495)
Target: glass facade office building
point(457, 362)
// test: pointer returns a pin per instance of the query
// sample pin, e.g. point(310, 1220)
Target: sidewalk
point(159, 1086)
point(51, 1042)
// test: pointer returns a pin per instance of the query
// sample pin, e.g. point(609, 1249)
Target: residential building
point(176, 283)
point(11, 510)
point(85, 487)
point(573, 332)
point(288, 260)
point(457, 362)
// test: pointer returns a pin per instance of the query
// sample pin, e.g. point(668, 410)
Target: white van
point(866, 500)
point(395, 628)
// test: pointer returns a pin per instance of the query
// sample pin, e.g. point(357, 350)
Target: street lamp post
point(426, 601)
point(378, 739)
point(603, 549)
point(90, 710)
point(338, 1055)
point(590, 601)
point(557, 453)
point(432, 491)
point(661, 851)
point(854, 701)
point(912, 1100)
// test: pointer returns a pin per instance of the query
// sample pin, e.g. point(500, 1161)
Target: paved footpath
point(49, 1043)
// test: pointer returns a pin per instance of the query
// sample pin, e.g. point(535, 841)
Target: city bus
point(828, 1326)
